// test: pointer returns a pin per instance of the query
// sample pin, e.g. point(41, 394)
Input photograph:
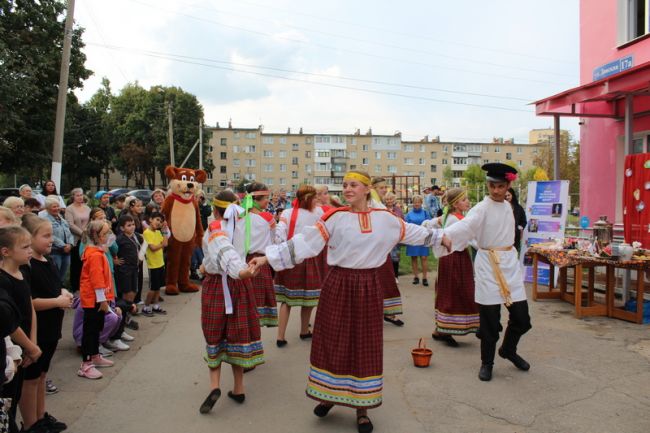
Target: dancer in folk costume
point(497, 271)
point(347, 349)
point(392, 296)
point(456, 313)
point(228, 312)
point(259, 226)
point(299, 286)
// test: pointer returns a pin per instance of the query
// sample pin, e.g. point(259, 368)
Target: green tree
point(474, 181)
point(448, 175)
point(569, 162)
point(30, 59)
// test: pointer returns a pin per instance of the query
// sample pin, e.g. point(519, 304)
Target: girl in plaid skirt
point(347, 349)
point(299, 286)
point(228, 313)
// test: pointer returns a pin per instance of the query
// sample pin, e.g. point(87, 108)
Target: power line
point(101, 35)
point(357, 89)
point(314, 74)
point(361, 53)
point(410, 35)
point(382, 44)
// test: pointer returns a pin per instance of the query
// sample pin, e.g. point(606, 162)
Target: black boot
point(508, 350)
point(485, 373)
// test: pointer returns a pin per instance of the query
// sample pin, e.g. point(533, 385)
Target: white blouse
point(261, 234)
point(305, 219)
point(356, 240)
point(220, 255)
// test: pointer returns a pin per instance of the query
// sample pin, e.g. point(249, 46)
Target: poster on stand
point(546, 210)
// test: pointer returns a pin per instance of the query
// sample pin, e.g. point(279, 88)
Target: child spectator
point(10, 354)
point(16, 250)
point(156, 264)
point(49, 300)
point(126, 274)
point(133, 207)
point(96, 291)
point(32, 206)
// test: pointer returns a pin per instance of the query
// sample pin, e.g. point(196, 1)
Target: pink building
point(612, 101)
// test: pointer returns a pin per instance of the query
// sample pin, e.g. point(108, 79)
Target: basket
point(421, 355)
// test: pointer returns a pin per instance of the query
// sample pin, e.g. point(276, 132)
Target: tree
point(30, 59)
point(569, 162)
point(448, 175)
point(474, 181)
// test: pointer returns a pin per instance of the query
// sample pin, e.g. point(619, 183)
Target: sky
point(462, 70)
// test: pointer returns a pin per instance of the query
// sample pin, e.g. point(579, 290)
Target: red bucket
point(421, 355)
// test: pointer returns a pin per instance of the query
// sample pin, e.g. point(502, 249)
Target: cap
point(499, 172)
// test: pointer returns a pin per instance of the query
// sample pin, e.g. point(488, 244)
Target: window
point(434, 168)
point(520, 163)
point(434, 180)
point(377, 168)
point(268, 168)
point(338, 152)
point(308, 140)
point(422, 148)
point(508, 155)
point(222, 169)
point(294, 146)
point(364, 161)
point(223, 155)
point(268, 140)
point(485, 161)
point(339, 139)
point(392, 169)
point(282, 154)
point(535, 151)
point(283, 181)
point(421, 174)
point(294, 175)
point(460, 161)
point(364, 147)
point(250, 163)
point(445, 149)
point(391, 155)
point(294, 160)
point(421, 161)
point(223, 183)
point(497, 149)
point(123, 176)
point(323, 166)
point(458, 173)
point(408, 148)
point(353, 154)
point(353, 167)
point(235, 162)
point(459, 148)
point(250, 176)
point(209, 190)
point(354, 141)
point(236, 135)
point(434, 155)
point(520, 150)
point(633, 21)
point(444, 162)
point(210, 149)
point(308, 168)
point(283, 140)
point(307, 153)
point(267, 180)
point(408, 161)
point(236, 176)
point(235, 149)
point(377, 155)
point(283, 167)
point(486, 148)
point(223, 142)
point(251, 135)
point(249, 149)
point(268, 153)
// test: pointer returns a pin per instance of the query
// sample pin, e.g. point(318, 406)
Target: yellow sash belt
point(498, 274)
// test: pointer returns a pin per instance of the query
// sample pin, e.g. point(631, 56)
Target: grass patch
point(405, 262)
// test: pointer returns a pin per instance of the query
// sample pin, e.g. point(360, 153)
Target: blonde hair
point(390, 195)
point(452, 196)
point(321, 188)
point(33, 224)
point(8, 214)
point(93, 229)
point(10, 235)
point(417, 197)
point(12, 201)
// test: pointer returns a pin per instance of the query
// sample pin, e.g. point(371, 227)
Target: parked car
point(8, 192)
point(144, 195)
point(115, 193)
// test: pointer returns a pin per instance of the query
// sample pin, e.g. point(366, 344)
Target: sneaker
point(101, 362)
point(89, 371)
point(133, 325)
point(147, 312)
point(105, 352)
point(126, 337)
point(52, 424)
point(50, 388)
point(159, 310)
point(117, 345)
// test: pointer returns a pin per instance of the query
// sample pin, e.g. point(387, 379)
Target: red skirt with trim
point(456, 311)
point(264, 291)
point(300, 285)
point(392, 295)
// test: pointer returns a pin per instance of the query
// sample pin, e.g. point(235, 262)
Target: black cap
point(499, 172)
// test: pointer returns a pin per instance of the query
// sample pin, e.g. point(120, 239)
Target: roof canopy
point(602, 98)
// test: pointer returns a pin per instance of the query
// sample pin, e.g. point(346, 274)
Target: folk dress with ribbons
point(299, 286)
point(346, 361)
point(229, 317)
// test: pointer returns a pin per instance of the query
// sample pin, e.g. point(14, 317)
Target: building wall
point(601, 140)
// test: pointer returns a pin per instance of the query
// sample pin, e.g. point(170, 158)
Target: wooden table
point(562, 260)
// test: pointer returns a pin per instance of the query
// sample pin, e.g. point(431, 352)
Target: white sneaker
point(126, 337)
point(104, 351)
point(116, 345)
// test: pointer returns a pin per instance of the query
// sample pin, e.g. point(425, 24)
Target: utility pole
point(59, 126)
point(201, 144)
point(171, 134)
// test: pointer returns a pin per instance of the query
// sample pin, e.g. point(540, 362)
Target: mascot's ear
point(170, 172)
point(201, 176)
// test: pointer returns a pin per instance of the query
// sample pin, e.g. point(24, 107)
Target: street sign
point(612, 68)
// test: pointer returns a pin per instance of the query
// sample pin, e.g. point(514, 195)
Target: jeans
point(197, 258)
point(62, 262)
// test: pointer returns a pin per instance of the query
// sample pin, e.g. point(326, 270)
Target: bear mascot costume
point(184, 220)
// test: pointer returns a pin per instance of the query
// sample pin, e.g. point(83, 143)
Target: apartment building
point(287, 160)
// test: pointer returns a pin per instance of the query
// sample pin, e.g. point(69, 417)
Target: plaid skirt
point(299, 286)
point(346, 361)
point(264, 291)
point(392, 296)
point(234, 338)
point(324, 267)
point(456, 311)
